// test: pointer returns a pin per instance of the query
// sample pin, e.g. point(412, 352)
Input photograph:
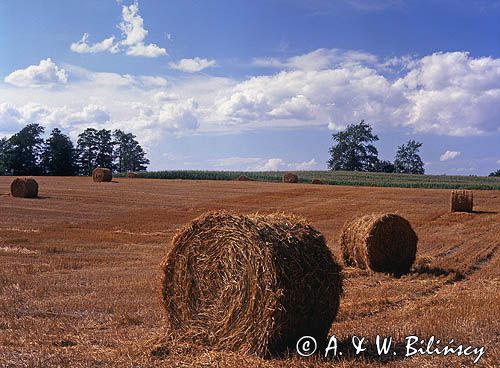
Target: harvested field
point(80, 280)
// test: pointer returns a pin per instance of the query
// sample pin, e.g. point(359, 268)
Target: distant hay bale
point(252, 284)
point(244, 178)
point(131, 174)
point(290, 178)
point(101, 174)
point(316, 181)
point(24, 188)
point(379, 242)
point(461, 201)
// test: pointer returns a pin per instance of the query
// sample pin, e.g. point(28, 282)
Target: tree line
point(353, 150)
point(28, 153)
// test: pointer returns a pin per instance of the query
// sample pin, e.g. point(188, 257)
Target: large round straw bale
point(24, 188)
point(131, 174)
point(244, 178)
point(101, 174)
point(290, 178)
point(253, 284)
point(379, 242)
point(461, 201)
point(316, 181)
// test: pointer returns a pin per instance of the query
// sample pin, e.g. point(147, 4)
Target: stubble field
point(79, 275)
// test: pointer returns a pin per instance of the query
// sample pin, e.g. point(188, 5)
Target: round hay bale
point(379, 242)
point(461, 201)
point(290, 178)
point(101, 174)
point(316, 181)
point(244, 178)
point(24, 188)
point(253, 284)
point(133, 175)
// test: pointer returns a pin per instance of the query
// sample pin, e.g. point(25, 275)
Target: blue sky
point(258, 85)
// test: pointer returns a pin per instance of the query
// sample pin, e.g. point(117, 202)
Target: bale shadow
point(485, 212)
point(438, 271)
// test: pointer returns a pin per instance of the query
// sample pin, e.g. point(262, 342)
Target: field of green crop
point(341, 178)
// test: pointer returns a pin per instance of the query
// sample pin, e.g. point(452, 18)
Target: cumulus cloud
point(453, 93)
point(443, 93)
point(449, 155)
point(192, 65)
point(466, 102)
point(273, 164)
point(91, 114)
point(45, 74)
point(83, 47)
point(278, 164)
point(10, 117)
point(14, 117)
point(318, 59)
point(345, 94)
point(150, 50)
point(179, 116)
point(133, 32)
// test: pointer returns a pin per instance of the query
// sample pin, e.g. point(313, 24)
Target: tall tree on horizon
point(408, 160)
point(104, 157)
point(4, 155)
point(86, 148)
point(353, 149)
point(59, 155)
point(128, 154)
point(95, 149)
point(24, 151)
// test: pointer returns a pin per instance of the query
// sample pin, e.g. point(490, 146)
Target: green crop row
point(340, 178)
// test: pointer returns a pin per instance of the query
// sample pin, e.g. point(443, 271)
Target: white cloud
point(318, 59)
point(133, 32)
point(151, 50)
point(466, 102)
point(10, 117)
point(91, 114)
point(498, 162)
point(192, 65)
point(453, 93)
point(342, 95)
point(273, 164)
point(82, 47)
point(45, 74)
point(278, 164)
point(449, 155)
point(132, 27)
point(179, 116)
point(298, 107)
point(306, 165)
point(236, 161)
point(335, 127)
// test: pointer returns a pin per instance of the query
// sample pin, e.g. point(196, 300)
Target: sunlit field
point(80, 276)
